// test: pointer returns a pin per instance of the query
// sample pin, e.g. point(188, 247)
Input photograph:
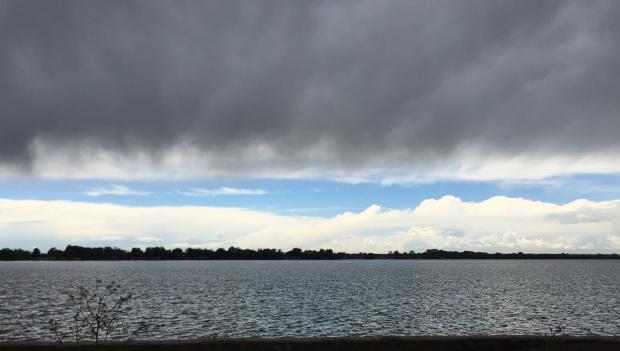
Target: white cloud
point(515, 170)
point(107, 238)
point(115, 190)
point(148, 238)
point(496, 224)
point(261, 161)
point(205, 245)
point(223, 191)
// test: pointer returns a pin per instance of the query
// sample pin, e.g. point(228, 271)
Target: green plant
point(96, 314)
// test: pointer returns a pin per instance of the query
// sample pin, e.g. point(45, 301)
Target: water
point(196, 299)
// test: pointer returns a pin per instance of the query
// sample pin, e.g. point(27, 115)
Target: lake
point(197, 299)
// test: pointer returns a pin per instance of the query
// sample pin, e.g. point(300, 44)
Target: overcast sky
point(180, 102)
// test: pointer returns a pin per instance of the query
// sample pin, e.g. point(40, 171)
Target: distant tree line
point(72, 252)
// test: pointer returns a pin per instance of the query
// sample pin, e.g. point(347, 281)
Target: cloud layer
point(223, 191)
point(497, 224)
point(350, 89)
point(115, 190)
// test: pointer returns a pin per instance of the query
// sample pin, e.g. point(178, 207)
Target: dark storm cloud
point(373, 80)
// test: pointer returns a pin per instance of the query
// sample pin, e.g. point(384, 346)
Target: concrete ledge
point(452, 343)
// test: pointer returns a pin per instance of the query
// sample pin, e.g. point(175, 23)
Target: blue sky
point(312, 197)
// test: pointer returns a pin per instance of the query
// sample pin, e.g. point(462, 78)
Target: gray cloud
point(368, 83)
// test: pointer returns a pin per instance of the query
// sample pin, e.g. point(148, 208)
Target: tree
point(295, 253)
point(136, 253)
point(177, 254)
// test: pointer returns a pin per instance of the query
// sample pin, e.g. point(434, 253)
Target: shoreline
point(160, 253)
point(419, 343)
point(612, 258)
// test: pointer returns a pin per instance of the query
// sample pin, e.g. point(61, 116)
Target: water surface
point(195, 299)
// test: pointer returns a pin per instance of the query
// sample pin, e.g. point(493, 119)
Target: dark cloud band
point(373, 82)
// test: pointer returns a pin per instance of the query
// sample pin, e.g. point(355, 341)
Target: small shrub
point(554, 331)
point(97, 314)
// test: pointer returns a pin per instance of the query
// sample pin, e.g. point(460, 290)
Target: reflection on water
point(194, 299)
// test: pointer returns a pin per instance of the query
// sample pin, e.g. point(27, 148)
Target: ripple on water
point(197, 299)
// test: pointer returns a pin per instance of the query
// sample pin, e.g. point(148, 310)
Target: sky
point(353, 125)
